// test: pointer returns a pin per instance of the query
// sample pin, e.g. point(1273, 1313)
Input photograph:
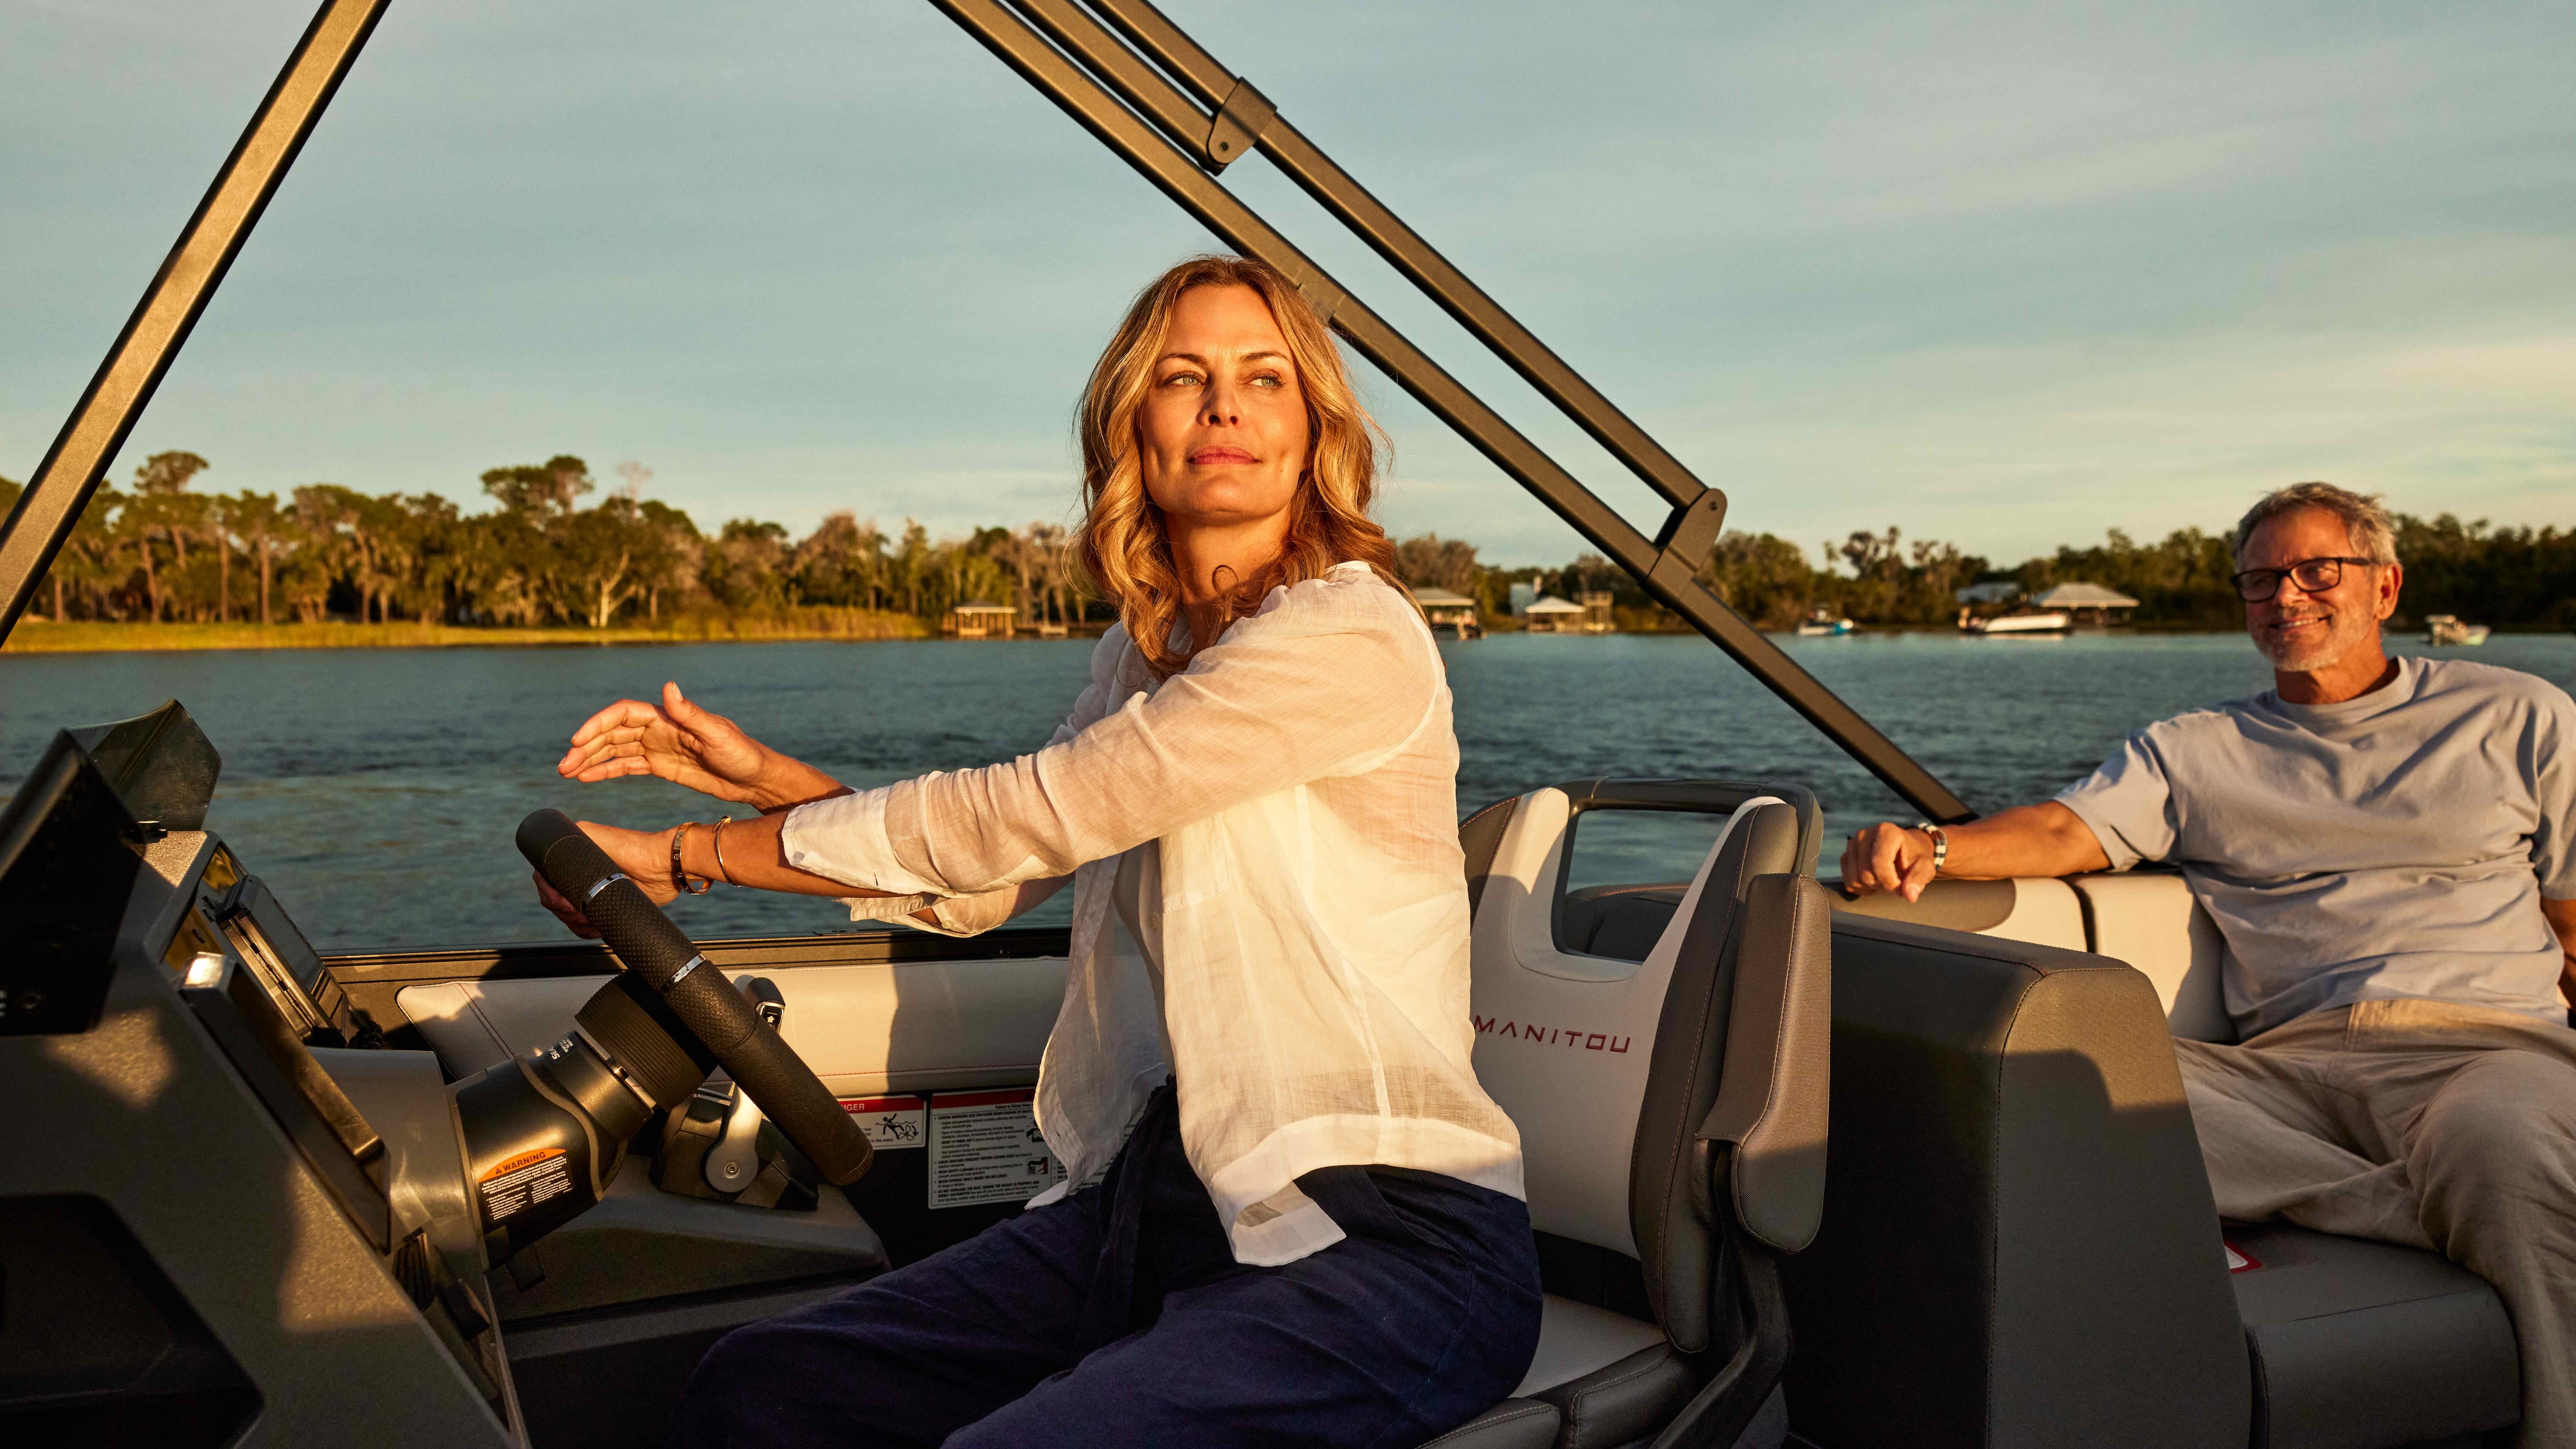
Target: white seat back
point(1564, 1040)
point(2150, 921)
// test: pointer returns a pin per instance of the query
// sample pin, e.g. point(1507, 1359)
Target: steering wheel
point(655, 951)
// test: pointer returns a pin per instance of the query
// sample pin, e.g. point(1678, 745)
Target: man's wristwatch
point(1940, 844)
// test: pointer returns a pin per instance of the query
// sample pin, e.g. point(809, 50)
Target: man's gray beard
point(2345, 635)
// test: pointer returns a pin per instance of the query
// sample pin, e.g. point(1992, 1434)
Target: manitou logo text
point(1577, 1039)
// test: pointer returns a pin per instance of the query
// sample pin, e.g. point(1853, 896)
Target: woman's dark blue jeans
point(1119, 1317)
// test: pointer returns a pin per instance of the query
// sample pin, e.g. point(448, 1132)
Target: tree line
point(165, 549)
point(2519, 577)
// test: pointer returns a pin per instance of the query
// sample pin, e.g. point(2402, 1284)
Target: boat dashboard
point(278, 1222)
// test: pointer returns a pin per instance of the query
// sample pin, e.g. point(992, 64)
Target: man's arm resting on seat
point(2562, 922)
point(2046, 839)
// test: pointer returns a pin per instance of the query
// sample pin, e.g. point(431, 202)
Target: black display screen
point(68, 858)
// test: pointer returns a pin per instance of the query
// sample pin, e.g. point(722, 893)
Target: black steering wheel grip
point(699, 995)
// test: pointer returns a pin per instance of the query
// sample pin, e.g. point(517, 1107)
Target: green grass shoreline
point(43, 636)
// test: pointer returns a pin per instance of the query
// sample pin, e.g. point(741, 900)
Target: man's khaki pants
point(2417, 1122)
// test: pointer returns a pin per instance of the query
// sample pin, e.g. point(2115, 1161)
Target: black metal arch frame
point(1153, 96)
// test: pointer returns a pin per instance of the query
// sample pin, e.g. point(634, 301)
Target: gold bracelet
point(724, 872)
point(679, 877)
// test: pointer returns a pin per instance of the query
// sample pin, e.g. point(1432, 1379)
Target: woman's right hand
point(675, 740)
point(642, 856)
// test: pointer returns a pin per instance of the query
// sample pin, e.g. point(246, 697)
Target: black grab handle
point(698, 994)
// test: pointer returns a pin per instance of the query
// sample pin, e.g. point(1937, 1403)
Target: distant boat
point(1824, 623)
point(2041, 621)
point(2447, 629)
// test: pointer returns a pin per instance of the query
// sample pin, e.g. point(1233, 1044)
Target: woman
point(1295, 1218)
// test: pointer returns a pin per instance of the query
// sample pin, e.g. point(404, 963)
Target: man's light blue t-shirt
point(2392, 845)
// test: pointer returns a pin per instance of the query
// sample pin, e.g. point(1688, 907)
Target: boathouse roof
point(2084, 596)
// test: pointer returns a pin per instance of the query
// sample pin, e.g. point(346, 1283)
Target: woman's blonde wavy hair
point(1123, 543)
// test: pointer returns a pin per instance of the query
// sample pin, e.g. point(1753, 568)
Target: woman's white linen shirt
point(1299, 784)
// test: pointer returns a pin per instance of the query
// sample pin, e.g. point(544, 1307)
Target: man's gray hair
point(2373, 534)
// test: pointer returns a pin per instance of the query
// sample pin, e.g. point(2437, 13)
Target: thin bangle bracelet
point(724, 872)
point(680, 877)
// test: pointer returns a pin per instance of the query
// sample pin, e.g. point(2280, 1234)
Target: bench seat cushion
point(2357, 1345)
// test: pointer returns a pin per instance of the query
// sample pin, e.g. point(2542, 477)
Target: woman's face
point(1223, 430)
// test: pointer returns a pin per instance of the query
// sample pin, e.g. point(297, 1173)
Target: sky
point(2006, 275)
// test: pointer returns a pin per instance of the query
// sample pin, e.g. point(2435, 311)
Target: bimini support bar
point(51, 507)
point(1368, 218)
point(1059, 47)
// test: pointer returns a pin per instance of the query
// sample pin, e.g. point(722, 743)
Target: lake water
point(377, 789)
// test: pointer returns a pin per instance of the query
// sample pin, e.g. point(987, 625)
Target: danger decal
point(889, 1122)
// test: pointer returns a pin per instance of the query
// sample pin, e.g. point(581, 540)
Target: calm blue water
point(377, 789)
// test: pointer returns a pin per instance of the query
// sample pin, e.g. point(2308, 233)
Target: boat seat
point(2352, 1344)
point(2019, 1245)
point(1576, 1340)
point(2356, 1345)
point(1635, 1035)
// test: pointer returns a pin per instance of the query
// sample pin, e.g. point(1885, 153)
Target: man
point(2385, 846)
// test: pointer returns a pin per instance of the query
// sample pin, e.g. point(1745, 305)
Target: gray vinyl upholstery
point(1625, 1402)
point(2019, 1245)
point(1578, 1338)
point(1479, 835)
point(1692, 1041)
point(2357, 1345)
point(2350, 1344)
point(1511, 1424)
point(1771, 1096)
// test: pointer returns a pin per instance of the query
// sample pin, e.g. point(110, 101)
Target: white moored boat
point(2051, 621)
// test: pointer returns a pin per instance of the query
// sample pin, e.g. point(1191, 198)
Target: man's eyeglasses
point(2312, 575)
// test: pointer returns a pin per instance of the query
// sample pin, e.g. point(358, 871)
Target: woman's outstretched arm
point(750, 857)
point(680, 741)
point(1279, 701)
point(683, 742)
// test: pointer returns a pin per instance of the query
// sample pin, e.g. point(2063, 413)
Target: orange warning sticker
point(524, 1159)
point(523, 1182)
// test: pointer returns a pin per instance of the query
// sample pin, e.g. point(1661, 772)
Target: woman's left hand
point(677, 740)
point(645, 857)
